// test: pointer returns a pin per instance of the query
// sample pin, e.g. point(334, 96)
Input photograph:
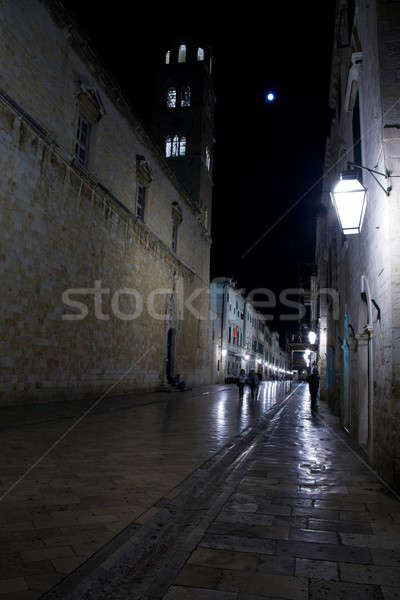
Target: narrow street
point(105, 474)
point(286, 511)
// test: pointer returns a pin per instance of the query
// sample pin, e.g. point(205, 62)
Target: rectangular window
point(140, 202)
point(357, 136)
point(82, 141)
point(174, 236)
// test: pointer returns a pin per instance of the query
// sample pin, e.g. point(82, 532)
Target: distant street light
point(312, 336)
point(224, 352)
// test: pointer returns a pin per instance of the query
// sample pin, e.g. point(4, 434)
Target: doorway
point(170, 357)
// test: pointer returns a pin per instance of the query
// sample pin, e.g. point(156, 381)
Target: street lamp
point(224, 352)
point(312, 336)
point(349, 197)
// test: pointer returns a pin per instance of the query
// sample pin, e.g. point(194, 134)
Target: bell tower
point(183, 118)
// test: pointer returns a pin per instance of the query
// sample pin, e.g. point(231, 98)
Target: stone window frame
point(176, 222)
point(144, 179)
point(82, 141)
point(141, 193)
point(89, 111)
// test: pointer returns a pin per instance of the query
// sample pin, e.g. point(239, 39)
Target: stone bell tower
point(183, 118)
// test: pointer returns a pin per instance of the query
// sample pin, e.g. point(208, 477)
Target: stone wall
point(65, 227)
point(370, 394)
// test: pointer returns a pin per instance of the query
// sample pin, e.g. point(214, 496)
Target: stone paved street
point(308, 520)
point(106, 474)
point(287, 511)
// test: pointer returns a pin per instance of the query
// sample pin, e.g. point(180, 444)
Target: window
point(171, 97)
point(83, 140)
point(356, 126)
point(141, 202)
point(174, 236)
point(182, 54)
point(200, 54)
point(176, 221)
point(175, 146)
point(185, 96)
point(208, 158)
point(168, 146)
point(182, 146)
point(168, 57)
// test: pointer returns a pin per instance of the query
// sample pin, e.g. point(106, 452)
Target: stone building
point(356, 300)
point(240, 338)
point(104, 247)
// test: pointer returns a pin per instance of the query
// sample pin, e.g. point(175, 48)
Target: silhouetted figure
point(313, 385)
point(253, 383)
point(241, 381)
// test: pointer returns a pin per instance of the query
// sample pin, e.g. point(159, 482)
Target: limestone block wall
point(374, 254)
point(63, 228)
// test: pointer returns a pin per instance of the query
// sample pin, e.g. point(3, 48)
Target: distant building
point(95, 218)
point(356, 299)
point(240, 337)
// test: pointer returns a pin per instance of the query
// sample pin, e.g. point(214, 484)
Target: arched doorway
point(170, 354)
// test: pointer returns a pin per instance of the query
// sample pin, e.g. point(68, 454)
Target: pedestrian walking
point(241, 381)
point(253, 383)
point(313, 385)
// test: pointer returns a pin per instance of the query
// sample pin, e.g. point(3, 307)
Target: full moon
point(270, 96)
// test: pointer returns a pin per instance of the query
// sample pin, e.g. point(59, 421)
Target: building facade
point(105, 254)
point(240, 338)
point(356, 300)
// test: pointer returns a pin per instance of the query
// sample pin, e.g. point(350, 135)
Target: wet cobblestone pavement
point(286, 510)
point(291, 513)
point(308, 520)
point(105, 475)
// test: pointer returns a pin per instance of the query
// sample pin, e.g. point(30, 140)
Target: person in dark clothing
point(253, 383)
point(313, 385)
point(241, 381)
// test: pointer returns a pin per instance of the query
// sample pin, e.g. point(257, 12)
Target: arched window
point(182, 145)
point(200, 54)
point(167, 57)
point(175, 146)
point(171, 97)
point(182, 53)
point(208, 158)
point(185, 96)
point(168, 146)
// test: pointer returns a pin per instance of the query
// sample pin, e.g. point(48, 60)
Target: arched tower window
point(182, 145)
point(175, 146)
point(171, 97)
point(167, 57)
point(200, 54)
point(168, 146)
point(182, 53)
point(185, 96)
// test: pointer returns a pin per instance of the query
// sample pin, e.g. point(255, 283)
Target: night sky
point(266, 155)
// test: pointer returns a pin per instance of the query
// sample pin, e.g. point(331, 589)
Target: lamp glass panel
point(349, 200)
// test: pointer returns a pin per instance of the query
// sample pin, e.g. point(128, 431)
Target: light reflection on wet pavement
point(107, 471)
